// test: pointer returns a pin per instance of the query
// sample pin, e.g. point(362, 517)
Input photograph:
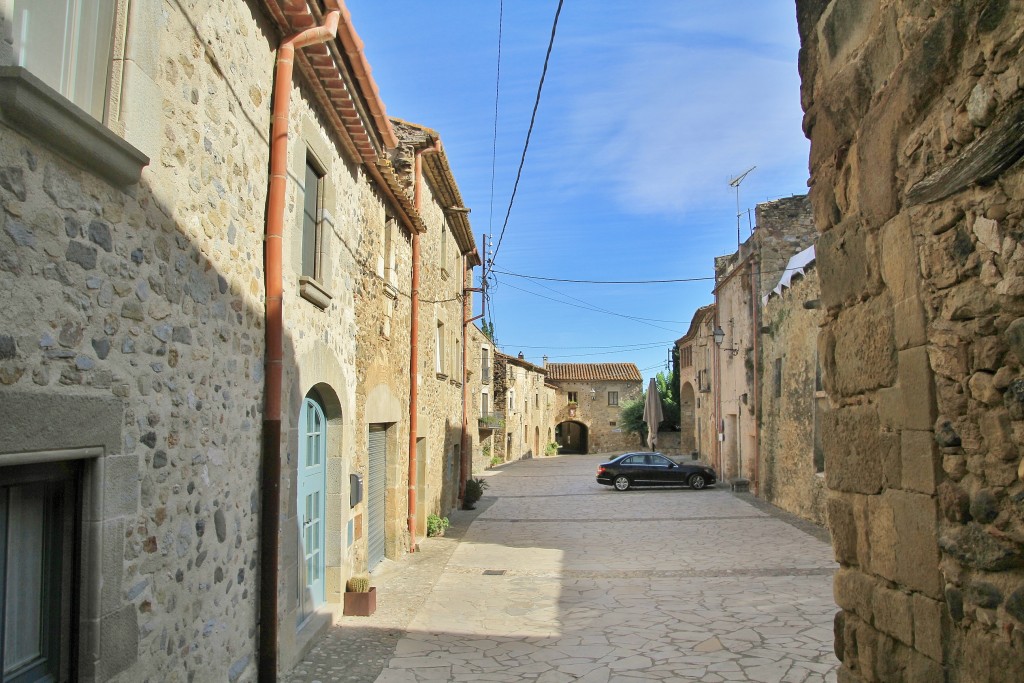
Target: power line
point(615, 346)
point(497, 91)
point(631, 282)
point(642, 321)
point(529, 131)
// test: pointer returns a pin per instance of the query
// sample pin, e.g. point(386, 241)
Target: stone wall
point(528, 405)
point(913, 112)
point(790, 405)
point(481, 440)
point(604, 435)
point(132, 321)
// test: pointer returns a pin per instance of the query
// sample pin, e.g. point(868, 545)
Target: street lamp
point(719, 337)
point(593, 394)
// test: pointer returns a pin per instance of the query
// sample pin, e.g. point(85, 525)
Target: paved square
point(588, 584)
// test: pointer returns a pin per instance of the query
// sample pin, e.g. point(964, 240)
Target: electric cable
point(631, 282)
point(529, 131)
point(642, 321)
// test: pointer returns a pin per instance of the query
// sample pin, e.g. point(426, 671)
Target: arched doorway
point(687, 420)
point(571, 437)
point(536, 442)
point(311, 500)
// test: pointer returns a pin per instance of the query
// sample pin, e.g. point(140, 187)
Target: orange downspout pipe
point(414, 339)
point(467, 311)
point(270, 522)
point(755, 335)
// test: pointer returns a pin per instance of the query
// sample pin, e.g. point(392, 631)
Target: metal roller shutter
point(377, 486)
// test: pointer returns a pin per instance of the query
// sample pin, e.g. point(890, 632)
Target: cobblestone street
point(556, 578)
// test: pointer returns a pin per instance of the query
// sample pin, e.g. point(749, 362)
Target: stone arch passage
point(572, 437)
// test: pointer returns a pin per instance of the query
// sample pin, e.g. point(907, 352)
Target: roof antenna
point(735, 182)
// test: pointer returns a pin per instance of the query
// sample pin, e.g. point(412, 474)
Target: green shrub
point(474, 492)
point(551, 449)
point(496, 460)
point(436, 525)
point(359, 584)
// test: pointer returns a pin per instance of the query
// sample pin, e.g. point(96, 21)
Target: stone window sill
point(442, 376)
point(390, 291)
point(455, 382)
point(38, 111)
point(314, 292)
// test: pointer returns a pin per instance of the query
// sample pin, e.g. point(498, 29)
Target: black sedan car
point(652, 469)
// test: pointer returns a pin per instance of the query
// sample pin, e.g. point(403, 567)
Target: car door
point(663, 471)
point(635, 467)
point(658, 469)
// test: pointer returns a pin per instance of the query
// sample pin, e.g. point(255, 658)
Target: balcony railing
point(491, 421)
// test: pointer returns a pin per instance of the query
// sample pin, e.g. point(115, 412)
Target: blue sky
point(649, 109)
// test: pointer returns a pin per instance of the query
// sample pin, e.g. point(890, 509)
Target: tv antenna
point(735, 182)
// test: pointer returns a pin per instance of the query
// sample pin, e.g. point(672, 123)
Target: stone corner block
point(920, 462)
point(930, 623)
point(119, 641)
point(917, 386)
point(121, 485)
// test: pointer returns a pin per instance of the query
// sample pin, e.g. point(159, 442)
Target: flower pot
point(361, 604)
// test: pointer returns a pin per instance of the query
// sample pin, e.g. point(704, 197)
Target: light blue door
point(311, 502)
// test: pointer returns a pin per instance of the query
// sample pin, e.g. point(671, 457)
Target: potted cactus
point(360, 597)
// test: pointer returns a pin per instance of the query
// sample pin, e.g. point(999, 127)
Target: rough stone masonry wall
point(788, 474)
point(597, 415)
point(911, 110)
point(784, 227)
point(151, 299)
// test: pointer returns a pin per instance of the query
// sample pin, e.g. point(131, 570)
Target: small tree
point(631, 417)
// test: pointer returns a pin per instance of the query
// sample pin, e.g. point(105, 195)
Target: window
point(485, 365)
point(778, 377)
point(686, 357)
point(389, 250)
point(312, 210)
point(38, 546)
point(439, 357)
point(613, 398)
point(536, 400)
point(444, 250)
point(573, 397)
point(484, 406)
point(66, 43)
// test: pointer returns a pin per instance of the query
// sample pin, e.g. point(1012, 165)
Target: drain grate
point(494, 572)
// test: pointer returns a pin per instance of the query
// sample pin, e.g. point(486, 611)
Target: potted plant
point(551, 449)
point(474, 492)
point(436, 525)
point(360, 597)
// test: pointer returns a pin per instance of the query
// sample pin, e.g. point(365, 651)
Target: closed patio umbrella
point(653, 414)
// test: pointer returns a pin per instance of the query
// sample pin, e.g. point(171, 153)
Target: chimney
point(521, 355)
point(545, 361)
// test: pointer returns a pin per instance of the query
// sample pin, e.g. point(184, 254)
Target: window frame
point(439, 351)
point(613, 398)
point(315, 223)
point(60, 561)
point(573, 397)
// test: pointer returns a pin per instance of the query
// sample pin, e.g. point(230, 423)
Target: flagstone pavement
point(556, 578)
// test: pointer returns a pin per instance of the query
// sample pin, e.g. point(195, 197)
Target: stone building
point(783, 227)
point(588, 400)
point(484, 417)
point(697, 431)
point(527, 426)
point(187, 340)
point(914, 115)
point(446, 255)
point(792, 400)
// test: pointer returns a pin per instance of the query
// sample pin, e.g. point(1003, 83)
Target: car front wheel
point(698, 482)
point(621, 482)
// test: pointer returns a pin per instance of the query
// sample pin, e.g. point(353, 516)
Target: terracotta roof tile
point(590, 372)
